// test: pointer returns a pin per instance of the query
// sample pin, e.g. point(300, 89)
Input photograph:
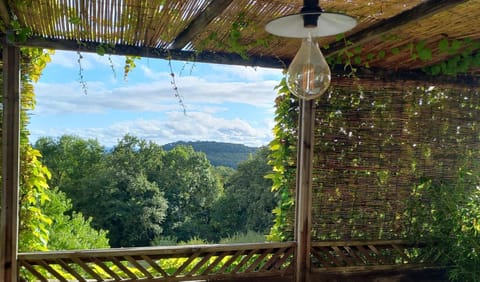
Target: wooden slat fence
point(189, 263)
point(352, 256)
point(182, 263)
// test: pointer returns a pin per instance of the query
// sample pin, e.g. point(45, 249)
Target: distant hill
point(218, 153)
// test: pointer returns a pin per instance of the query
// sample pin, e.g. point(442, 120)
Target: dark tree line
point(141, 193)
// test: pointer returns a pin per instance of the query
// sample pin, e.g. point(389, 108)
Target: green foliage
point(446, 215)
point(132, 207)
point(129, 65)
point(190, 187)
point(282, 159)
point(234, 41)
point(70, 232)
point(34, 223)
point(461, 55)
point(248, 201)
point(82, 170)
point(161, 193)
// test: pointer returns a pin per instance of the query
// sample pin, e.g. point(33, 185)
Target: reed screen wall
point(372, 148)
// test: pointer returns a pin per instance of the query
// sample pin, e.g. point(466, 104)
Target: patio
point(350, 195)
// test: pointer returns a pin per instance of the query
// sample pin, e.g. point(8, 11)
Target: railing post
point(9, 216)
point(303, 203)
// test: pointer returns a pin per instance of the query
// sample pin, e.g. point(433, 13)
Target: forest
point(140, 194)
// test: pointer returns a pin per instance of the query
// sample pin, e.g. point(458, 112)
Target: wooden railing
point(210, 262)
point(181, 263)
point(357, 256)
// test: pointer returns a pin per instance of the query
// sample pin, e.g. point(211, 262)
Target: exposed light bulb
point(308, 76)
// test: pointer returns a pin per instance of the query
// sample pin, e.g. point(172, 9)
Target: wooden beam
point(158, 53)
point(255, 61)
point(10, 163)
point(423, 10)
point(4, 15)
point(303, 202)
point(199, 23)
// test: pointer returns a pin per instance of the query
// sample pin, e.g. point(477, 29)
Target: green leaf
point(381, 54)
point(357, 60)
point(443, 45)
point(420, 45)
point(395, 51)
point(75, 20)
point(435, 70)
point(456, 44)
point(100, 50)
point(425, 54)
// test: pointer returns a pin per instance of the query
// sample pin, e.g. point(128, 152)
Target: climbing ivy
point(34, 224)
point(283, 159)
point(461, 55)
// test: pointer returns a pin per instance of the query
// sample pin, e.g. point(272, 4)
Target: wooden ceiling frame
point(383, 27)
point(215, 8)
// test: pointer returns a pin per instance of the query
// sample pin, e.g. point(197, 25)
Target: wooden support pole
point(303, 202)
point(9, 216)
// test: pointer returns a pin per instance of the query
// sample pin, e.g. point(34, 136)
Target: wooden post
point(10, 164)
point(303, 203)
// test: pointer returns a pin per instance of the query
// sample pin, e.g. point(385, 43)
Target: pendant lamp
point(308, 75)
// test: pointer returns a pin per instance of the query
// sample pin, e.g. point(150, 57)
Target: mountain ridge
point(218, 153)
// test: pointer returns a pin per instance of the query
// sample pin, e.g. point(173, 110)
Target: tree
point(70, 232)
point(191, 188)
point(131, 206)
point(248, 201)
point(71, 161)
point(111, 187)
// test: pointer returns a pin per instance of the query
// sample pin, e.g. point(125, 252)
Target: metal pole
point(303, 202)
point(9, 215)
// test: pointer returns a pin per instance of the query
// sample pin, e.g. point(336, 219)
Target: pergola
point(394, 42)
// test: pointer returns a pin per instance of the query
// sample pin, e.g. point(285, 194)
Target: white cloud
point(195, 126)
point(214, 97)
point(152, 97)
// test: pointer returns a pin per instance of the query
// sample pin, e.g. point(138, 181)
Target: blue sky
point(223, 103)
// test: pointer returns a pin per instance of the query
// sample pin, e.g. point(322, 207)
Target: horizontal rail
point(355, 256)
point(181, 263)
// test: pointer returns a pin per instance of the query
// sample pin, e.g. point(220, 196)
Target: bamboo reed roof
point(391, 35)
